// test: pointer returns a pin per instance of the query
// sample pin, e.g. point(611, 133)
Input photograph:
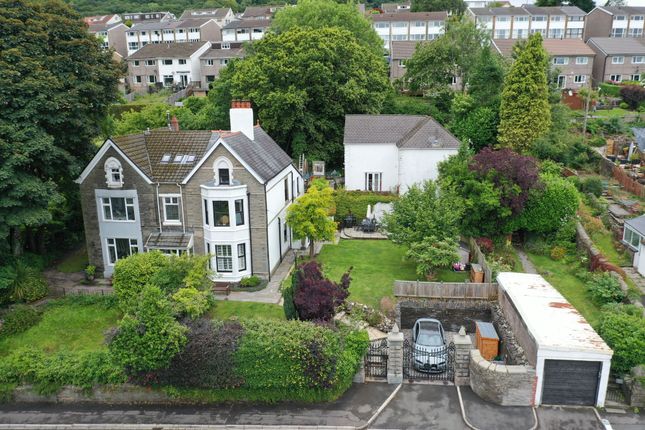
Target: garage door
point(568, 382)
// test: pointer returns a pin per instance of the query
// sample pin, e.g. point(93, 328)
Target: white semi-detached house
point(416, 26)
point(559, 22)
point(393, 152)
point(172, 31)
point(219, 193)
point(614, 21)
point(167, 64)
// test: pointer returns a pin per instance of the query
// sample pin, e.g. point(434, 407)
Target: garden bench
point(221, 288)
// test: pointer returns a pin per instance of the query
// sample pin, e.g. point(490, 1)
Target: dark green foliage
point(478, 128)
point(207, 360)
point(57, 86)
point(18, 318)
point(289, 351)
point(356, 202)
point(611, 90)
point(21, 283)
point(302, 83)
point(101, 7)
point(49, 372)
point(604, 288)
point(486, 80)
point(633, 95)
point(586, 5)
point(625, 334)
point(454, 6)
point(550, 207)
point(250, 281)
point(591, 185)
point(288, 293)
point(149, 336)
point(407, 105)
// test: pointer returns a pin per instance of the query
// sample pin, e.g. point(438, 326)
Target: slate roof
point(404, 49)
point(216, 53)
point(411, 16)
point(263, 155)
point(219, 12)
point(637, 224)
point(167, 50)
point(618, 45)
point(554, 47)
point(172, 24)
point(248, 23)
point(254, 11)
point(624, 10)
point(406, 131)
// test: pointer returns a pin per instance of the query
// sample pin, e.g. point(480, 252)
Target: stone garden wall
point(501, 384)
point(453, 313)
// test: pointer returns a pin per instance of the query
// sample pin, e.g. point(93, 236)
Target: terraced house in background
point(618, 59)
point(218, 193)
point(172, 31)
point(401, 26)
point(611, 21)
point(520, 22)
point(111, 30)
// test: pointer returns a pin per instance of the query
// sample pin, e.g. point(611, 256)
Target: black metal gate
point(430, 364)
point(376, 359)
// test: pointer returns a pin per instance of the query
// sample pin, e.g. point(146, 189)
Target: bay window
point(239, 212)
point(223, 258)
point(220, 213)
point(241, 256)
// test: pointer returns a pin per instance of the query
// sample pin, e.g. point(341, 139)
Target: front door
point(183, 79)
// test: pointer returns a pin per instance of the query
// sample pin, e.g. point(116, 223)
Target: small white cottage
point(393, 152)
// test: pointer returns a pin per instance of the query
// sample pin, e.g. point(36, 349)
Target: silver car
point(429, 346)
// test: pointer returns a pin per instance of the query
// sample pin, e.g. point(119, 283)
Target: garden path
point(526, 263)
point(637, 279)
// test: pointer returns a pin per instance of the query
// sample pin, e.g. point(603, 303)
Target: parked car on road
point(430, 353)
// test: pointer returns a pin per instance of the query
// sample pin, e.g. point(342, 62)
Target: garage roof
point(552, 321)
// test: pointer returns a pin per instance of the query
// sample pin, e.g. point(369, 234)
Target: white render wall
point(418, 165)
point(366, 157)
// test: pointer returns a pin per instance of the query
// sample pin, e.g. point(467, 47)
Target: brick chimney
point(241, 115)
point(174, 123)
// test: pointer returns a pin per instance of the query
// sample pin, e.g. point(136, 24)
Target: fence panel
point(445, 290)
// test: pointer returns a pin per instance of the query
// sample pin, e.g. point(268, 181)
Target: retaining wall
point(501, 384)
point(453, 313)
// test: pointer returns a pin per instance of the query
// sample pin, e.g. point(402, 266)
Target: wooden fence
point(619, 174)
point(477, 256)
point(445, 290)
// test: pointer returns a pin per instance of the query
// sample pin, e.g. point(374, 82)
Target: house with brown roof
point(618, 59)
point(401, 26)
point(213, 60)
point(166, 64)
point(219, 193)
point(260, 12)
point(571, 58)
point(394, 152)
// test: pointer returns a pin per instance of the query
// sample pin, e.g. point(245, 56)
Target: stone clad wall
point(501, 384)
point(453, 313)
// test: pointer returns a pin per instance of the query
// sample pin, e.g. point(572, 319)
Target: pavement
point(415, 406)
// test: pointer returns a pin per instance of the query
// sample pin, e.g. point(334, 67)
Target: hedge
point(356, 202)
point(610, 90)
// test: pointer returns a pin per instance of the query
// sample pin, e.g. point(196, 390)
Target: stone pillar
point(463, 345)
point(395, 356)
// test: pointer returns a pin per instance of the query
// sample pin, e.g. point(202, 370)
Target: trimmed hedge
point(356, 202)
point(611, 90)
point(18, 318)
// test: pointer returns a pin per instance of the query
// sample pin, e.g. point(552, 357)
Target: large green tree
point(525, 113)
point(585, 5)
point(433, 65)
point(454, 6)
point(302, 83)
point(328, 13)
point(57, 84)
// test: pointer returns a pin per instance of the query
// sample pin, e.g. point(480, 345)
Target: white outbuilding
point(571, 360)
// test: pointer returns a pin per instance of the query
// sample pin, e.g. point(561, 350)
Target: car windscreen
point(429, 339)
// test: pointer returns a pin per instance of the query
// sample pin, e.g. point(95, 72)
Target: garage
point(558, 375)
point(571, 360)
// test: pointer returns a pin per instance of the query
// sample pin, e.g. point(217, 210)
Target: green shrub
point(22, 282)
point(288, 294)
point(623, 105)
point(597, 141)
point(558, 253)
point(592, 185)
point(610, 90)
point(18, 318)
point(625, 334)
point(49, 372)
point(250, 281)
point(298, 358)
point(356, 202)
point(192, 302)
point(133, 273)
point(149, 337)
point(604, 288)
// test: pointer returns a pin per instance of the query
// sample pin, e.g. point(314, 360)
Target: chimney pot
point(241, 115)
point(174, 123)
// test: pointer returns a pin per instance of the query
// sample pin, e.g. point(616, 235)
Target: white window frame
point(113, 173)
point(110, 243)
point(223, 255)
point(181, 61)
point(636, 77)
point(167, 201)
point(373, 181)
point(638, 59)
point(616, 78)
point(618, 59)
point(564, 61)
point(241, 257)
point(582, 60)
point(580, 79)
point(151, 62)
point(210, 62)
point(106, 208)
point(166, 62)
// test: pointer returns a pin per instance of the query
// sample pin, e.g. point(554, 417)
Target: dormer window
point(113, 173)
point(223, 170)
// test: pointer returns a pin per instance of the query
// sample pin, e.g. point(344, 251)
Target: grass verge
point(225, 309)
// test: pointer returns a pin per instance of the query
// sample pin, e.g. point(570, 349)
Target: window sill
point(175, 223)
point(109, 185)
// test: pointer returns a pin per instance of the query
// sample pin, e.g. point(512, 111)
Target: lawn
point(603, 238)
point(69, 326)
point(73, 262)
point(377, 264)
point(560, 274)
point(613, 113)
point(224, 309)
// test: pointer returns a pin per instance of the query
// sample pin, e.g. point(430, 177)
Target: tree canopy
point(525, 113)
point(302, 83)
point(328, 13)
point(452, 55)
point(57, 85)
point(454, 6)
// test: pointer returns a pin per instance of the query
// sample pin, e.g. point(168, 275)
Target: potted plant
point(90, 273)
